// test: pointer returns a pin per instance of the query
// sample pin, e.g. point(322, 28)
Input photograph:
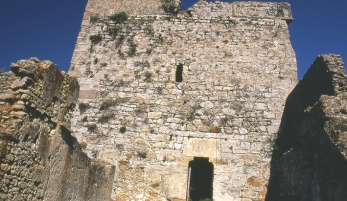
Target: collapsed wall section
point(309, 157)
point(39, 159)
point(158, 91)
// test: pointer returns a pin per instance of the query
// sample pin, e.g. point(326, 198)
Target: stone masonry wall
point(39, 159)
point(309, 158)
point(237, 67)
point(133, 7)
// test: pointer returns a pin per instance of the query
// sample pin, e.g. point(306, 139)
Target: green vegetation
point(223, 121)
point(114, 32)
point(91, 127)
point(341, 126)
point(119, 17)
point(148, 76)
point(94, 19)
point(96, 60)
point(122, 129)
point(142, 155)
point(107, 104)
point(159, 90)
point(85, 119)
point(83, 107)
point(89, 72)
point(143, 64)
point(95, 39)
point(120, 146)
point(120, 40)
point(132, 47)
point(105, 118)
point(191, 115)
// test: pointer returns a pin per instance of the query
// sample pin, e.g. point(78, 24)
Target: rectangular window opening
point(179, 73)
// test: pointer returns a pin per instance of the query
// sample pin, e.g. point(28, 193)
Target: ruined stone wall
point(309, 158)
point(133, 7)
point(237, 68)
point(39, 159)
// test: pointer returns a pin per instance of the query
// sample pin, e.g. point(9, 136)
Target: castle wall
point(238, 67)
point(39, 159)
point(133, 7)
point(309, 159)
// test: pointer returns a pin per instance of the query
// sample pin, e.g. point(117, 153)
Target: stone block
point(154, 115)
point(260, 106)
point(198, 147)
point(174, 185)
point(88, 94)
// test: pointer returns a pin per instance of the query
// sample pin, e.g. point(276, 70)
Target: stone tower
point(183, 103)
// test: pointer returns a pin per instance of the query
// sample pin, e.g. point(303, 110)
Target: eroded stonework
point(39, 159)
point(158, 89)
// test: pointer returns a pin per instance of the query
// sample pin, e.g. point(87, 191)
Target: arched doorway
point(201, 179)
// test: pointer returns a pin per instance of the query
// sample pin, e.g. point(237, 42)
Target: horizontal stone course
point(237, 68)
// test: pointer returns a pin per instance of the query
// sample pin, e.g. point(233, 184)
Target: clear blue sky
point(47, 29)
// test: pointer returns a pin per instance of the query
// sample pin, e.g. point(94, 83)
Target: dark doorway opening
point(179, 72)
point(201, 179)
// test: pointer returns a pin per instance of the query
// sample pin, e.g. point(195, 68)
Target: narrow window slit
point(179, 72)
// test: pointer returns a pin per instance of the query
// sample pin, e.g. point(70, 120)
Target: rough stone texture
point(309, 157)
point(133, 7)
point(237, 68)
point(39, 159)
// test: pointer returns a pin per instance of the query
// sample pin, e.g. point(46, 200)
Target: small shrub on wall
point(95, 39)
point(107, 104)
point(105, 118)
point(94, 19)
point(83, 107)
point(91, 127)
point(119, 17)
point(122, 129)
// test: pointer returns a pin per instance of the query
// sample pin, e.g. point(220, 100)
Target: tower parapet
point(133, 7)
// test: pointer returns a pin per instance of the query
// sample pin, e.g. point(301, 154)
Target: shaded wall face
point(39, 159)
point(309, 160)
point(236, 72)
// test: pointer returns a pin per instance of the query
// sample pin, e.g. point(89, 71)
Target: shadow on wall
point(36, 105)
point(308, 159)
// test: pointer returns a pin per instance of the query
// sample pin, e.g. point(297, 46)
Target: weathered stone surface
point(88, 94)
point(198, 147)
point(25, 67)
point(217, 73)
point(174, 185)
point(39, 158)
point(253, 181)
point(21, 83)
point(133, 7)
point(309, 158)
point(154, 115)
point(6, 97)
